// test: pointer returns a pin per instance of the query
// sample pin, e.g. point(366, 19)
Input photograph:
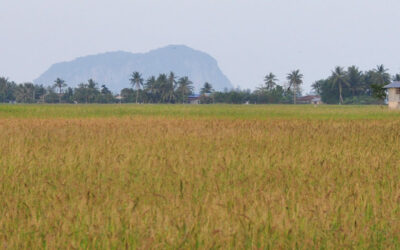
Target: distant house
point(194, 99)
point(309, 99)
point(393, 95)
point(119, 98)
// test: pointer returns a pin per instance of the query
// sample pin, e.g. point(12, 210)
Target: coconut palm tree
point(270, 81)
point(396, 78)
point(170, 87)
point(92, 91)
point(207, 89)
point(136, 82)
point(317, 86)
point(59, 84)
point(355, 80)
point(172, 79)
point(381, 77)
point(295, 79)
point(168, 94)
point(151, 88)
point(166, 89)
point(339, 79)
point(25, 93)
point(184, 87)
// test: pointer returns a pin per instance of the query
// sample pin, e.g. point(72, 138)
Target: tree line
point(343, 86)
point(165, 88)
point(353, 86)
point(59, 92)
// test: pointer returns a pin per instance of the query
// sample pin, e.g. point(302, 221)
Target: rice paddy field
point(199, 177)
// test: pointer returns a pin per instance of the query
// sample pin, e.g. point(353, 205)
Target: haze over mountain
point(114, 68)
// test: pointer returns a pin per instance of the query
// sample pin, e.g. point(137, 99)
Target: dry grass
point(169, 182)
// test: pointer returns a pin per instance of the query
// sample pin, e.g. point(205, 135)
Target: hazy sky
point(249, 38)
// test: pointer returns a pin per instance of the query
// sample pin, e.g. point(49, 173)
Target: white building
point(194, 99)
point(393, 95)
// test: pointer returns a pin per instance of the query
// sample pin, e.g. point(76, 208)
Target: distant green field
point(199, 177)
point(199, 111)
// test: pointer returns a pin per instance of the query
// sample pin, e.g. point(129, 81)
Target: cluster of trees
point(88, 92)
point(344, 86)
point(353, 86)
point(170, 89)
point(269, 92)
point(162, 89)
point(166, 88)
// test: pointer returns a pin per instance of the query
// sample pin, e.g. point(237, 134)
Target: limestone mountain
point(114, 68)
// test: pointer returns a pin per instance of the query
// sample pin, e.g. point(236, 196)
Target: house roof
point(195, 96)
point(393, 85)
point(308, 98)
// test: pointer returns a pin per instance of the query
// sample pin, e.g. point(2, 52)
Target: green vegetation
point(342, 87)
point(295, 79)
point(352, 86)
point(218, 111)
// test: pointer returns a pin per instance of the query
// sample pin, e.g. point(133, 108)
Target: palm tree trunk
point(59, 96)
point(137, 95)
point(340, 94)
point(295, 94)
